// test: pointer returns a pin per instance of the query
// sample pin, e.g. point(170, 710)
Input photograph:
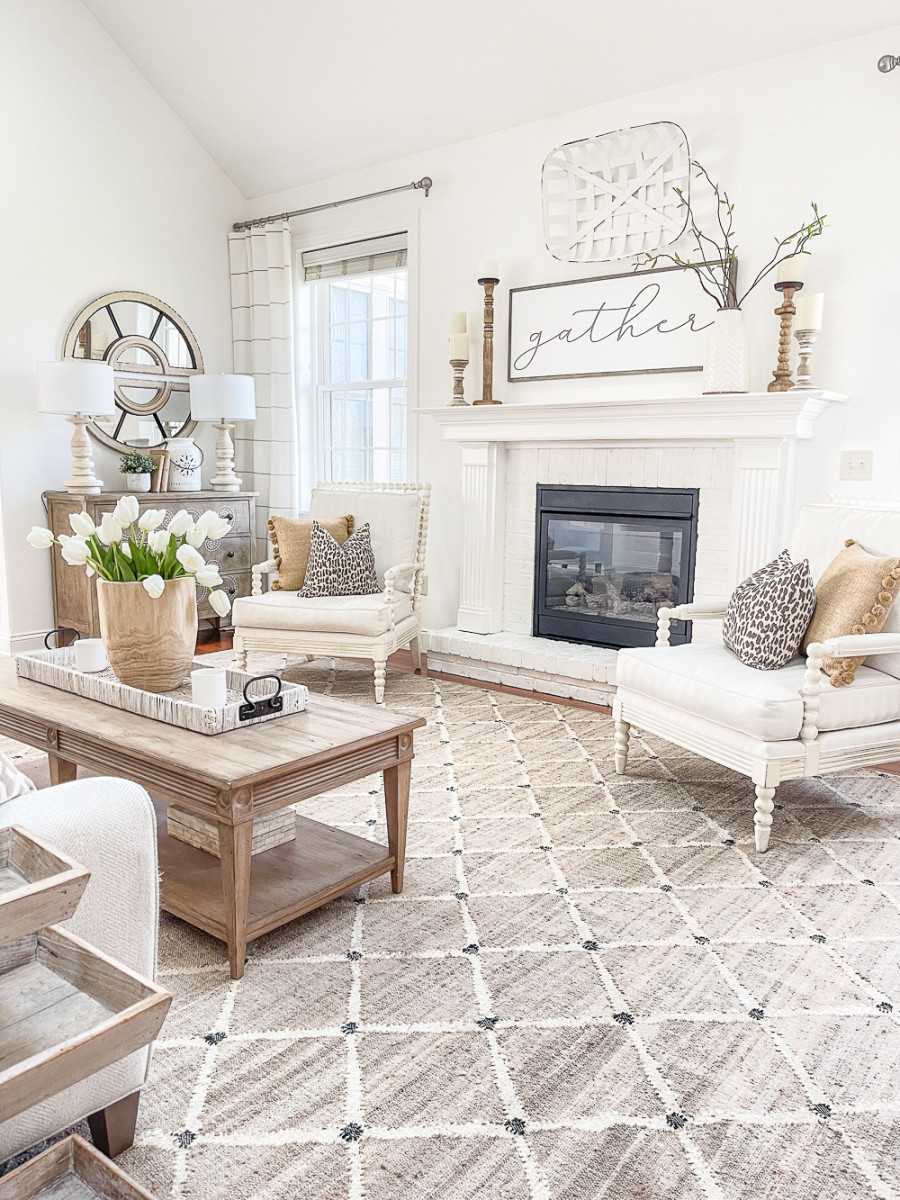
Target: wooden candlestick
point(786, 310)
point(459, 365)
point(805, 339)
point(487, 382)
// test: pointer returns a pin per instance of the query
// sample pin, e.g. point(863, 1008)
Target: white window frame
point(330, 232)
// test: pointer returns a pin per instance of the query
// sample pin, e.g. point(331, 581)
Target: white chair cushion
point(368, 616)
point(393, 519)
point(706, 679)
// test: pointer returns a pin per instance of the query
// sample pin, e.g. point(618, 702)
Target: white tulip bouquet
point(132, 547)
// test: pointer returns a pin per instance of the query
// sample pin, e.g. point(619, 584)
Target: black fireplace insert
point(608, 557)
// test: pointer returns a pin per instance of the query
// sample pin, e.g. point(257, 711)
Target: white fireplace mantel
point(763, 429)
point(729, 417)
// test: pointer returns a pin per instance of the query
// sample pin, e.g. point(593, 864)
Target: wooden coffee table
point(232, 778)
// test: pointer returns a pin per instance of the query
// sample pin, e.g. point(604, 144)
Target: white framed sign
point(637, 323)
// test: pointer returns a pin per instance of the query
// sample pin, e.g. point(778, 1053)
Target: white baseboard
point(17, 643)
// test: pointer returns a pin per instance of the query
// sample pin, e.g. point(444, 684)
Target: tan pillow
point(290, 546)
point(853, 596)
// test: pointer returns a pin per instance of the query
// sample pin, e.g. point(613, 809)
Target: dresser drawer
point(231, 553)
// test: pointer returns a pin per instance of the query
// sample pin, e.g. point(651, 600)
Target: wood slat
point(39, 885)
point(66, 1012)
point(70, 1170)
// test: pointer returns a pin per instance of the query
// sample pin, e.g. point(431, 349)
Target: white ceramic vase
point(139, 482)
point(726, 367)
point(184, 464)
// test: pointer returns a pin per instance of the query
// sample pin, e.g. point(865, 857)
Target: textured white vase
point(184, 464)
point(726, 367)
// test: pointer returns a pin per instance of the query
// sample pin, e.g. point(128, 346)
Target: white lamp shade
point(223, 397)
point(71, 388)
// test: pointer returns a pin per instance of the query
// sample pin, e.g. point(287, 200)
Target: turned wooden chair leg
point(240, 653)
point(621, 753)
point(112, 1128)
point(380, 672)
point(762, 820)
point(416, 654)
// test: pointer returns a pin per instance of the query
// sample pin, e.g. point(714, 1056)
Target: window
point(355, 304)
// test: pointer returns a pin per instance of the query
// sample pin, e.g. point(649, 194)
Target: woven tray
point(57, 668)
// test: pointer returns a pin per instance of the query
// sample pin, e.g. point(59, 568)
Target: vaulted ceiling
point(285, 92)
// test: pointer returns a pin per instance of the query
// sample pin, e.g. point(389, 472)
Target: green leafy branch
point(716, 271)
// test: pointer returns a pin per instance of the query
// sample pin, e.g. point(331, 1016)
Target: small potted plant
point(136, 468)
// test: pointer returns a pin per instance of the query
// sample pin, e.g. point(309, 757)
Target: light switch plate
point(856, 465)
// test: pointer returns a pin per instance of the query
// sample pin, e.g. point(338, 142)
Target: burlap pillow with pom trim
point(854, 595)
point(290, 538)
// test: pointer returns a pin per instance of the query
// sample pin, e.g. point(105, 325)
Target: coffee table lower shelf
point(285, 882)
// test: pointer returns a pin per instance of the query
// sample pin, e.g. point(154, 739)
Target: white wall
point(814, 125)
point(104, 189)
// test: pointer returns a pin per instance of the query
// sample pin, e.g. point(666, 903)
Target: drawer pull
point(230, 554)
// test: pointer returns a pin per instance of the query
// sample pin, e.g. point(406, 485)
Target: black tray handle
point(260, 706)
point(61, 629)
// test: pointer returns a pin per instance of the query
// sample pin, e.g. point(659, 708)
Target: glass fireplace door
point(606, 577)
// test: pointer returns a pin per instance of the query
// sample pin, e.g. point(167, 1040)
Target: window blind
point(355, 258)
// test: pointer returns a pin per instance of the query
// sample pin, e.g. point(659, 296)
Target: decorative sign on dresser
point(75, 596)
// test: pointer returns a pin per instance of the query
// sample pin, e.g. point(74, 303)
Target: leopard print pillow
point(340, 570)
point(769, 612)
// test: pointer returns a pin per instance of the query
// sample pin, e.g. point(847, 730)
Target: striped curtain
point(262, 323)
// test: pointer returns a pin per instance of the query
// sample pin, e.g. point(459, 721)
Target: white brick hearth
point(739, 450)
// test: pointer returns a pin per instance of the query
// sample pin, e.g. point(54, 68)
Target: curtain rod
point(424, 184)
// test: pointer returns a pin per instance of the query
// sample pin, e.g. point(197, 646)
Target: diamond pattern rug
point(592, 986)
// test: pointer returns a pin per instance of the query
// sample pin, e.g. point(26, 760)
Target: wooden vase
point(150, 643)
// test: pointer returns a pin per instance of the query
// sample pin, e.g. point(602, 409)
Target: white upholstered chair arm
point(699, 611)
point(269, 567)
point(862, 643)
point(399, 579)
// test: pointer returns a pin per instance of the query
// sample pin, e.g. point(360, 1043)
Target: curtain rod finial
point(425, 183)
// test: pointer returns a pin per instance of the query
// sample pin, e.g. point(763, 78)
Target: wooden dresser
point(75, 596)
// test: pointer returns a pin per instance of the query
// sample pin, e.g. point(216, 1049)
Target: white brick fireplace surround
point(739, 450)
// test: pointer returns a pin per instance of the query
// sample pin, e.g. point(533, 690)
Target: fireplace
point(608, 557)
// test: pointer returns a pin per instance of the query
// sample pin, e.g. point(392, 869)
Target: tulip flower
point(40, 537)
point(82, 524)
point(110, 529)
point(215, 526)
point(158, 541)
point(76, 552)
point(151, 519)
point(196, 536)
point(181, 523)
point(208, 576)
point(219, 603)
point(126, 510)
point(154, 585)
point(190, 559)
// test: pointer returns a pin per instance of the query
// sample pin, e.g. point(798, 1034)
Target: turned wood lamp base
point(224, 479)
point(83, 481)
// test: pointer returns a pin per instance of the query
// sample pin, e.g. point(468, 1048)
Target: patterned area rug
point(592, 986)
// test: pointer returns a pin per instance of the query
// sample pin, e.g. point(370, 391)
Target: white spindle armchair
point(773, 725)
point(371, 627)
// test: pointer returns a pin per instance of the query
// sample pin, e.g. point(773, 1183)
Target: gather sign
point(642, 322)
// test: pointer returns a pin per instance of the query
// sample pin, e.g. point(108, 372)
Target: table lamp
point(223, 399)
point(80, 391)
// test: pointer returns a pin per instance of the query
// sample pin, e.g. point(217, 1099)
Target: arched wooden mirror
point(153, 354)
